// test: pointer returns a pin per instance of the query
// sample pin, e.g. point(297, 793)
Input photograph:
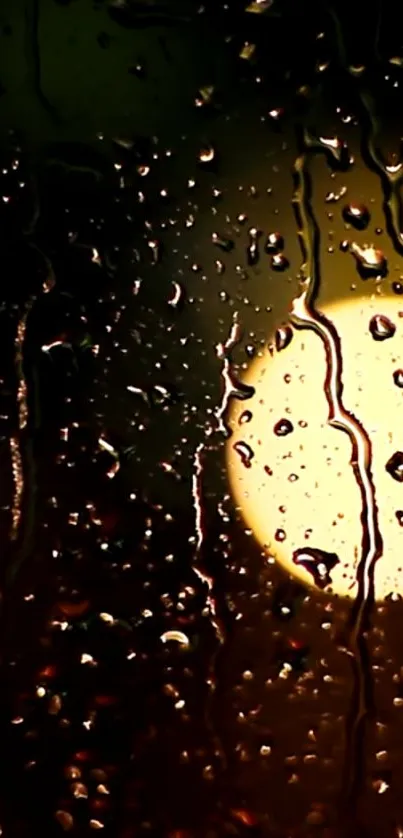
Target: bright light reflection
point(303, 483)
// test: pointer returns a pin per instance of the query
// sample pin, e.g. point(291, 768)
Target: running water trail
point(16, 443)
point(207, 580)
point(233, 388)
point(304, 315)
point(198, 505)
point(21, 447)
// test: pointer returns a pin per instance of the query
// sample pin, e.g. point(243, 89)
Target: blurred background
point(161, 677)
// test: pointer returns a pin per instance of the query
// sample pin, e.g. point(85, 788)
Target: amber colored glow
point(312, 493)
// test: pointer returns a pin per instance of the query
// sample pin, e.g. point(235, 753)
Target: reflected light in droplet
point(321, 509)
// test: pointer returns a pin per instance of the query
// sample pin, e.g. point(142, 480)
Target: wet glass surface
point(200, 419)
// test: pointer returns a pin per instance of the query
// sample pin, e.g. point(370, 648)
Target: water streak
point(391, 174)
point(206, 579)
point(305, 315)
point(22, 418)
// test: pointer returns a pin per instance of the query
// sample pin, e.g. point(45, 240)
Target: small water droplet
point(283, 427)
point(245, 452)
point(318, 563)
point(280, 535)
point(283, 337)
point(357, 215)
point(394, 466)
point(397, 287)
point(399, 516)
point(245, 417)
point(381, 327)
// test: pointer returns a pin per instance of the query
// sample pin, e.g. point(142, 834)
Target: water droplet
point(397, 287)
point(279, 262)
point(220, 267)
point(357, 215)
point(394, 466)
point(283, 427)
point(206, 154)
point(280, 535)
point(370, 260)
point(381, 327)
point(274, 243)
point(223, 243)
point(283, 337)
point(317, 562)
point(398, 378)
point(245, 417)
point(252, 251)
point(399, 516)
point(245, 452)
point(259, 6)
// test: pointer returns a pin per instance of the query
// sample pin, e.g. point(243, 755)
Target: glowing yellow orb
point(293, 482)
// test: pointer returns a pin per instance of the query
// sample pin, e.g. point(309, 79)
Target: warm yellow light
point(298, 490)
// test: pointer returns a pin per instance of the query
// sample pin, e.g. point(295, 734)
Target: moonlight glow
point(295, 484)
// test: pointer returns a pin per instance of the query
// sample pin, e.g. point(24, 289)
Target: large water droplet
point(357, 215)
point(206, 154)
point(223, 243)
point(398, 378)
point(370, 260)
point(279, 262)
point(381, 327)
point(252, 251)
point(283, 427)
point(394, 466)
point(245, 452)
point(283, 337)
point(317, 562)
point(274, 243)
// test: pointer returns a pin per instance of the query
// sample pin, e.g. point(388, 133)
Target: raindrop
point(397, 287)
point(245, 452)
point(274, 243)
point(252, 251)
point(394, 466)
point(223, 243)
point(381, 327)
point(317, 562)
point(398, 378)
point(245, 417)
point(357, 215)
point(370, 260)
point(279, 262)
point(206, 154)
point(283, 337)
point(280, 535)
point(283, 427)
